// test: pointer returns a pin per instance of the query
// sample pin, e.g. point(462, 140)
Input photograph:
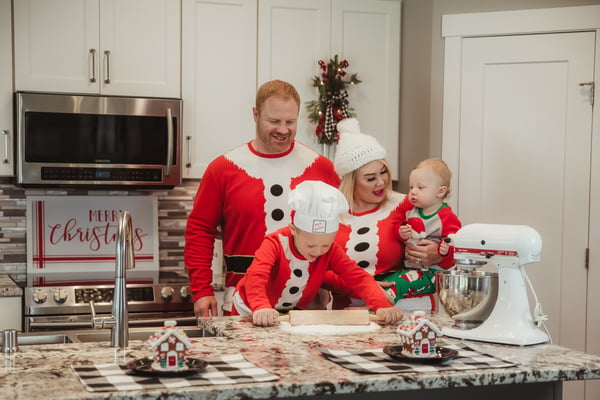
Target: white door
point(524, 145)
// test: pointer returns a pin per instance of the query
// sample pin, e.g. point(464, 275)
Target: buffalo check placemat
point(375, 361)
point(221, 370)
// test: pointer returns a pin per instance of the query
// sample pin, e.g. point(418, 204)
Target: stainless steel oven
point(85, 140)
point(59, 307)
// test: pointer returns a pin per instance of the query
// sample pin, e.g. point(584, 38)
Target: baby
point(427, 217)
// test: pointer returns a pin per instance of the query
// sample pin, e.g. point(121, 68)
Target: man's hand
point(265, 316)
point(206, 306)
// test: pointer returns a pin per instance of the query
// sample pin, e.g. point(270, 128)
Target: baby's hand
point(265, 316)
point(443, 248)
point(405, 231)
point(389, 314)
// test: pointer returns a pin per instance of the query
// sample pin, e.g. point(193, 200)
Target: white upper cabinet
point(219, 79)
point(113, 47)
point(293, 36)
point(6, 115)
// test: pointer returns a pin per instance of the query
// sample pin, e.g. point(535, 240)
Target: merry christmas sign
point(78, 233)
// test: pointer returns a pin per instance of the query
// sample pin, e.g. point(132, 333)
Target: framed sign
point(79, 233)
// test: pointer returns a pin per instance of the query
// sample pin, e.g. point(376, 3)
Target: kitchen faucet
point(118, 322)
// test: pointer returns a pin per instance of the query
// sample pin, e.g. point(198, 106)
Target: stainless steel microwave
point(87, 140)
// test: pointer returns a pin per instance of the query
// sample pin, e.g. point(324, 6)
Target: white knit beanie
point(354, 148)
point(317, 207)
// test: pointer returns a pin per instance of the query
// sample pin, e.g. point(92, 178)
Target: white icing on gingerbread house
point(418, 336)
point(169, 346)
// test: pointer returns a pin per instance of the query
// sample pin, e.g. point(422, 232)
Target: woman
point(370, 231)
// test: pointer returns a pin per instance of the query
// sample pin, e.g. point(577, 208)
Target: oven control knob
point(60, 295)
point(185, 293)
point(40, 296)
point(166, 293)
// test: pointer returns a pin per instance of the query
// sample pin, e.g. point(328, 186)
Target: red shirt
point(281, 278)
point(245, 193)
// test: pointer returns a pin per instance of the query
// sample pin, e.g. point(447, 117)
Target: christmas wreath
point(332, 104)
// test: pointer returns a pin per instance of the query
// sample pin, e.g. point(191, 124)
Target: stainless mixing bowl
point(468, 296)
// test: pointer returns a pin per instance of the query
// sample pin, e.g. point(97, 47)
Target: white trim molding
point(545, 20)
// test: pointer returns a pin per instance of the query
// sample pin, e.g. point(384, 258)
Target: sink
point(90, 336)
point(25, 340)
point(134, 334)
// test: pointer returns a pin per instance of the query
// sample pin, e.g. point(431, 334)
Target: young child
point(427, 217)
point(289, 266)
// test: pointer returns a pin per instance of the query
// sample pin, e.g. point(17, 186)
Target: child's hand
point(265, 316)
point(389, 314)
point(405, 231)
point(443, 248)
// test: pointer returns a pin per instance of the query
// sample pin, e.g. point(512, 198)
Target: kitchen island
point(46, 371)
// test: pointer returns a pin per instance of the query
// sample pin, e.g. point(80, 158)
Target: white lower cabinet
point(10, 313)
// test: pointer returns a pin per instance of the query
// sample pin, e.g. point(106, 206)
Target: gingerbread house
point(169, 346)
point(418, 336)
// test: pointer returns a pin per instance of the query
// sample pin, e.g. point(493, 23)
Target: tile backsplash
point(174, 206)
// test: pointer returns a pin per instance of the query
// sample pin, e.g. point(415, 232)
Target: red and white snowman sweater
point(371, 238)
point(281, 278)
point(245, 193)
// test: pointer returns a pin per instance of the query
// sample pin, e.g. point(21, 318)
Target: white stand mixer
point(508, 247)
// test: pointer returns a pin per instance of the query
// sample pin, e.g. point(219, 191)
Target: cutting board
point(328, 317)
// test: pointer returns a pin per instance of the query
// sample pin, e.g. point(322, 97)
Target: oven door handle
point(68, 325)
point(52, 325)
point(158, 322)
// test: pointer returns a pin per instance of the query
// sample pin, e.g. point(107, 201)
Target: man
point(244, 193)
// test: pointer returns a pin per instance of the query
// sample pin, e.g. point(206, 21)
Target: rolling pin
point(328, 317)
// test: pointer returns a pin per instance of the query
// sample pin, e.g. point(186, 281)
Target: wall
point(422, 71)
point(173, 208)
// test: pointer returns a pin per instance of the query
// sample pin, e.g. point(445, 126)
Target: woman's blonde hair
point(348, 182)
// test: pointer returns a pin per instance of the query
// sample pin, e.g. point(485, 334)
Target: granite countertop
point(8, 288)
point(45, 371)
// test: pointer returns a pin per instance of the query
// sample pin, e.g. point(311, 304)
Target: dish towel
point(221, 370)
point(375, 361)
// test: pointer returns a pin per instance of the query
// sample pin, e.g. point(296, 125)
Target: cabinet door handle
point(93, 62)
point(6, 135)
point(107, 66)
point(188, 139)
point(169, 142)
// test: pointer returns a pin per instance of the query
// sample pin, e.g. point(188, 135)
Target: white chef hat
point(317, 207)
point(354, 148)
